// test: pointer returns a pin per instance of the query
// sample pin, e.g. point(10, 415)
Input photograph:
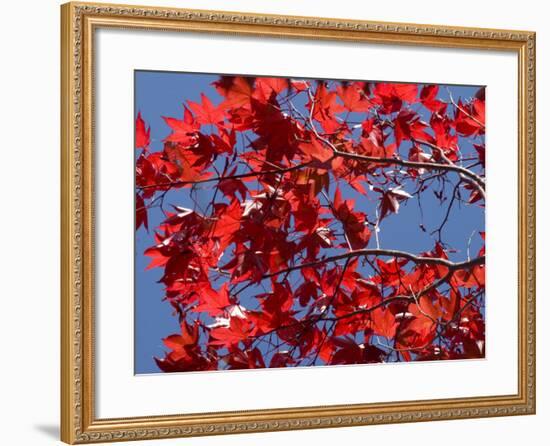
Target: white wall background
point(29, 219)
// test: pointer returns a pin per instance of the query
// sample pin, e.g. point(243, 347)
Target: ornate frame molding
point(78, 424)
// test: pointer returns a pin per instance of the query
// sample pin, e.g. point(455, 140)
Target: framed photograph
point(275, 223)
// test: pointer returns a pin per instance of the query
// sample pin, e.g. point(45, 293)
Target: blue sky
point(160, 94)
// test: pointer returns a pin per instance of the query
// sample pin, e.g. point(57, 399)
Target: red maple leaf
point(143, 133)
point(428, 97)
point(183, 131)
point(213, 302)
point(205, 112)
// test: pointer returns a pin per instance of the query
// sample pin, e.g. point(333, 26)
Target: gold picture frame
point(78, 24)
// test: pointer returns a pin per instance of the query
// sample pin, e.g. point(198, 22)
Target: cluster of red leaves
point(279, 269)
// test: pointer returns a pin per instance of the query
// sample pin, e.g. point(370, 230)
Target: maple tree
point(282, 263)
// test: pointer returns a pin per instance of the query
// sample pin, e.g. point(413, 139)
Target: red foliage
point(282, 268)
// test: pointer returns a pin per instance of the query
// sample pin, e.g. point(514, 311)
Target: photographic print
point(286, 222)
point(244, 226)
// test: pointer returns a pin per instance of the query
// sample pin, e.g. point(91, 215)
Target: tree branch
point(473, 178)
point(414, 164)
point(229, 177)
point(385, 253)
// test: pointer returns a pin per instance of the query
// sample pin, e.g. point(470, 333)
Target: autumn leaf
point(141, 213)
point(237, 90)
point(183, 131)
point(205, 112)
point(316, 150)
point(428, 97)
point(212, 301)
point(353, 97)
point(391, 199)
point(143, 133)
